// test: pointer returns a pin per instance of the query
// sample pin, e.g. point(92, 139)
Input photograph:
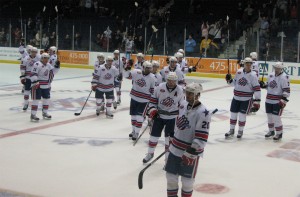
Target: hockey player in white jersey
point(255, 66)
point(140, 61)
point(278, 92)
point(40, 86)
point(245, 84)
point(157, 74)
point(173, 67)
point(190, 138)
point(118, 83)
point(100, 60)
point(54, 61)
point(182, 64)
point(143, 83)
point(103, 84)
point(163, 109)
point(26, 69)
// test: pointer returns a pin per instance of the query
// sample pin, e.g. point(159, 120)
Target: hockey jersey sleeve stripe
point(140, 94)
point(154, 100)
point(274, 97)
point(256, 88)
point(201, 135)
point(243, 94)
point(105, 86)
point(180, 144)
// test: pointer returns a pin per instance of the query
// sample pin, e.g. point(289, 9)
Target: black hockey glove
point(120, 77)
point(262, 84)
point(57, 64)
point(228, 78)
point(192, 69)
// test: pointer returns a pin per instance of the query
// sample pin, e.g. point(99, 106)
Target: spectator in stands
point(206, 47)
point(211, 31)
point(37, 38)
point(17, 36)
point(264, 27)
point(2, 37)
point(98, 40)
point(88, 7)
point(30, 28)
point(282, 10)
point(45, 41)
point(96, 6)
point(248, 13)
point(77, 41)
point(139, 43)
point(204, 29)
point(67, 42)
point(52, 39)
point(190, 44)
point(117, 39)
point(129, 44)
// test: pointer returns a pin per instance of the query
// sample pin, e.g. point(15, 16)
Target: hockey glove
point(23, 79)
point(262, 84)
point(57, 64)
point(94, 87)
point(282, 103)
point(192, 69)
point(35, 84)
point(256, 105)
point(189, 156)
point(120, 77)
point(153, 113)
point(228, 78)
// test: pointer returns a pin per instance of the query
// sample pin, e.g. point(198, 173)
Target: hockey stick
point(267, 54)
point(77, 114)
point(21, 17)
point(141, 174)
point(228, 72)
point(140, 179)
point(148, 125)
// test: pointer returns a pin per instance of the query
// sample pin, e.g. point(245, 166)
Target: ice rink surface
point(89, 156)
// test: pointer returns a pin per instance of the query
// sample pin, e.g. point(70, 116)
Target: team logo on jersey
point(162, 90)
point(182, 123)
point(243, 81)
point(46, 73)
point(141, 82)
point(168, 102)
point(107, 76)
point(273, 84)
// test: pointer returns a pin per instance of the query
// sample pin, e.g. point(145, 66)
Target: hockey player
point(40, 86)
point(26, 69)
point(103, 83)
point(54, 61)
point(182, 52)
point(172, 67)
point(190, 138)
point(157, 74)
point(278, 91)
point(140, 61)
point(182, 64)
point(245, 84)
point(254, 66)
point(100, 60)
point(143, 83)
point(118, 83)
point(163, 109)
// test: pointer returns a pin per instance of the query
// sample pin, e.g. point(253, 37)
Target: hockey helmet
point(140, 55)
point(253, 55)
point(247, 60)
point(100, 55)
point(34, 49)
point(279, 65)
point(181, 51)
point(28, 48)
point(195, 88)
point(147, 64)
point(109, 58)
point(116, 51)
point(178, 55)
point(53, 49)
point(173, 59)
point(155, 63)
point(172, 76)
point(45, 55)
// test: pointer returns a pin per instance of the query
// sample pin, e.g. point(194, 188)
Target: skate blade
point(229, 137)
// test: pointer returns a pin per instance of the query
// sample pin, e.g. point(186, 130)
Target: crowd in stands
point(207, 34)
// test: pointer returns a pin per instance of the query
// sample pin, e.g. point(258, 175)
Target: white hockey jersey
point(142, 85)
point(158, 79)
point(53, 59)
point(183, 66)
point(255, 67)
point(166, 70)
point(98, 64)
point(118, 64)
point(27, 65)
point(22, 51)
point(104, 78)
point(166, 100)
point(139, 65)
point(41, 73)
point(191, 129)
point(245, 85)
point(277, 87)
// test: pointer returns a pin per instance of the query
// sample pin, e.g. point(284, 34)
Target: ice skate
point(229, 134)
point(148, 157)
